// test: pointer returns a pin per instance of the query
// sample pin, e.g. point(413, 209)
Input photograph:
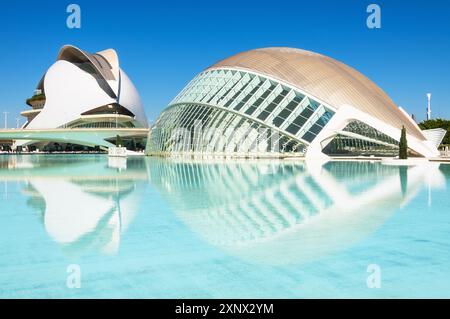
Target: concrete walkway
point(82, 136)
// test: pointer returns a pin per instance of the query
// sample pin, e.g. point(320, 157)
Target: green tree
point(403, 145)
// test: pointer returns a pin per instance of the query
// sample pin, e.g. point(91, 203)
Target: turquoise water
point(158, 228)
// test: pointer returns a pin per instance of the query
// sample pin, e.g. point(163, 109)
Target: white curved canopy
point(79, 82)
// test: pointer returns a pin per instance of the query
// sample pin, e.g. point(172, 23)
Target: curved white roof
point(79, 82)
point(330, 80)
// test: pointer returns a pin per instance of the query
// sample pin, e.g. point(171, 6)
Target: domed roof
point(105, 62)
point(322, 77)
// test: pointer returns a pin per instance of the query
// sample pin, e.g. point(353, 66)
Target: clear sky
point(162, 45)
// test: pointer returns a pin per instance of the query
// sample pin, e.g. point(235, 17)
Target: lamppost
point(17, 122)
point(117, 114)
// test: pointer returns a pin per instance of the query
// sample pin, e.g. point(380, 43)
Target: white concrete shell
point(80, 82)
point(89, 203)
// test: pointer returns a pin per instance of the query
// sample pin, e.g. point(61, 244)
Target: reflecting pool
point(177, 228)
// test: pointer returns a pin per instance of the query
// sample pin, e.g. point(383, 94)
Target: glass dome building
point(283, 102)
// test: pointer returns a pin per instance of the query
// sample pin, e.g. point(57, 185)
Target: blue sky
point(163, 45)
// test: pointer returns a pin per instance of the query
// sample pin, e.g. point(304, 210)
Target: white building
point(284, 101)
point(83, 90)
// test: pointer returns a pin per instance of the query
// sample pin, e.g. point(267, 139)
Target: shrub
point(403, 145)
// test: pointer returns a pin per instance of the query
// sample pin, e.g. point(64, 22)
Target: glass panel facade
point(249, 113)
point(371, 142)
point(102, 124)
point(368, 131)
point(198, 129)
point(315, 126)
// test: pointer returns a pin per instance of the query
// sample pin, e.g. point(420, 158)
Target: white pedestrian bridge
point(83, 136)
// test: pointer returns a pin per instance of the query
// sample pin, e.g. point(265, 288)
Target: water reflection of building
point(83, 203)
point(286, 212)
point(270, 212)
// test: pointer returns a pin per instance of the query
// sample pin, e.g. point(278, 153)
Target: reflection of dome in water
point(284, 212)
